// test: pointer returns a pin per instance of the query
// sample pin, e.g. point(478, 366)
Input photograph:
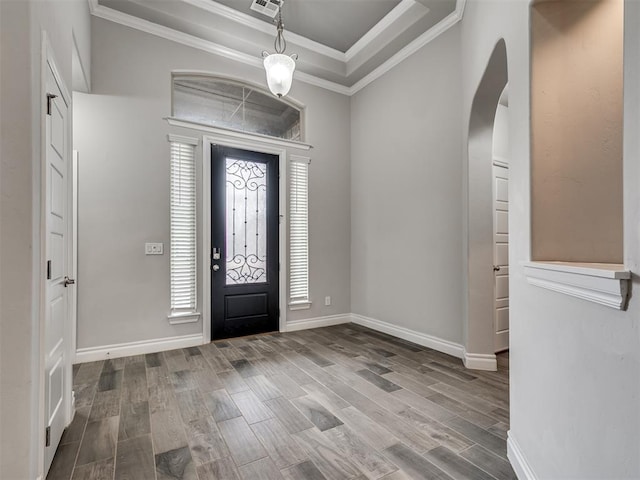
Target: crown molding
point(460, 4)
point(320, 82)
point(146, 26)
point(413, 47)
point(265, 27)
point(167, 33)
point(416, 12)
point(403, 7)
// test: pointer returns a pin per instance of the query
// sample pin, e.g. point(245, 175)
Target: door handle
point(496, 268)
point(69, 281)
point(215, 268)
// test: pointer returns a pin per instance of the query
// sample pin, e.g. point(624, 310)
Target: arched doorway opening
point(486, 215)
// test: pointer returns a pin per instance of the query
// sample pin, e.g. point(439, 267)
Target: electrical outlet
point(327, 301)
point(153, 248)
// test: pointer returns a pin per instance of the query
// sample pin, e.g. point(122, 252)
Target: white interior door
point(57, 195)
point(501, 255)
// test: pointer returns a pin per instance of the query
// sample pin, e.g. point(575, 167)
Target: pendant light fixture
point(279, 67)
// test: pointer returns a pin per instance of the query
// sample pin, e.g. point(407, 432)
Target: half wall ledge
point(603, 283)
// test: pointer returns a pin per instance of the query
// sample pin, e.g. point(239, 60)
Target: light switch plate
point(153, 248)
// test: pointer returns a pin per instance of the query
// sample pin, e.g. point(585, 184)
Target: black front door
point(244, 242)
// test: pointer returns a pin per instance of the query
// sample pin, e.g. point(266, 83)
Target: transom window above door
point(220, 102)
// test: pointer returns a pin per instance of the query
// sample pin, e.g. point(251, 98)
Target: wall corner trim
point(605, 284)
point(429, 341)
point(104, 352)
point(517, 459)
point(317, 322)
point(480, 361)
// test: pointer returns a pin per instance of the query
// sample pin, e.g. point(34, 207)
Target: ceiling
point(335, 23)
point(342, 44)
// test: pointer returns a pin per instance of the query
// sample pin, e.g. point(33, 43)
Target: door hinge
point(47, 437)
point(50, 96)
point(48, 269)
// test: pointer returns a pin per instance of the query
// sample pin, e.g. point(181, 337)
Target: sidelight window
point(299, 232)
point(183, 225)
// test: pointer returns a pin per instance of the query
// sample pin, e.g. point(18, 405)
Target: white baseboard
point(480, 361)
point(304, 324)
point(73, 406)
point(92, 354)
point(518, 461)
point(435, 343)
point(472, 361)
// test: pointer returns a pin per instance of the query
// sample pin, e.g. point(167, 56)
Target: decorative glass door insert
point(244, 242)
point(246, 218)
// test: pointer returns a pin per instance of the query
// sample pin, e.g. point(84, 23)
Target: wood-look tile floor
point(331, 403)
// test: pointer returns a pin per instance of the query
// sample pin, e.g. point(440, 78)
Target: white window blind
point(183, 227)
point(299, 230)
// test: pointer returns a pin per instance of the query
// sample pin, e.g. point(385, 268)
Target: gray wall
point(575, 366)
point(22, 24)
point(120, 135)
point(406, 194)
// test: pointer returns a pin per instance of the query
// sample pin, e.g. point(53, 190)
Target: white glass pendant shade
point(279, 68)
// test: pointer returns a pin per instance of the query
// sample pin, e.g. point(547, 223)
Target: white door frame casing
point(500, 303)
point(48, 62)
point(244, 142)
point(73, 312)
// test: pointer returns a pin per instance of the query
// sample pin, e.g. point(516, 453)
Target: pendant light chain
point(280, 44)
